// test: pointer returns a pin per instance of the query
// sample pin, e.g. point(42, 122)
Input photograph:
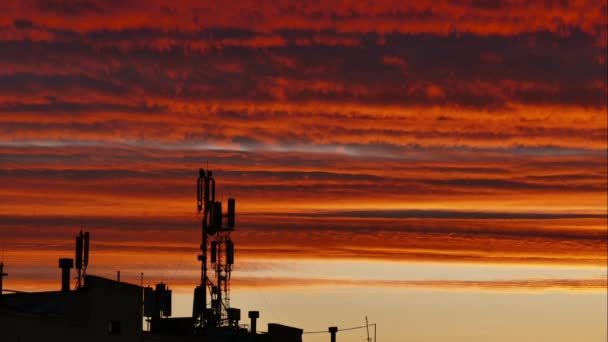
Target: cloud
point(184, 284)
point(430, 131)
point(498, 285)
point(22, 23)
point(499, 238)
point(442, 17)
point(286, 125)
point(231, 64)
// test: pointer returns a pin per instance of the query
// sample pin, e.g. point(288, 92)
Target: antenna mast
point(367, 328)
point(82, 256)
point(2, 275)
point(222, 254)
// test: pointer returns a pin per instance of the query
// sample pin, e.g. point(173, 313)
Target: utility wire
point(339, 329)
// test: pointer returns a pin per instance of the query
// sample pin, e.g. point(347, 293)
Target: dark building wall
point(280, 333)
point(83, 315)
point(20, 327)
point(113, 303)
point(106, 311)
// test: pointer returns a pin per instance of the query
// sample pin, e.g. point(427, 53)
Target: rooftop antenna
point(215, 230)
point(2, 275)
point(367, 328)
point(82, 256)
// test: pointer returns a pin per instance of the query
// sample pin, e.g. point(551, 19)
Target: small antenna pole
point(2, 275)
point(82, 256)
point(367, 328)
point(78, 259)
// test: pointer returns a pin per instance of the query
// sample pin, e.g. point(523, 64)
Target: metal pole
point(204, 270)
point(202, 198)
point(2, 275)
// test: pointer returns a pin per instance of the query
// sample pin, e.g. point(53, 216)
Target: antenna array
point(215, 230)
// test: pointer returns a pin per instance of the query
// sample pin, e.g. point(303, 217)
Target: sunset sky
point(439, 166)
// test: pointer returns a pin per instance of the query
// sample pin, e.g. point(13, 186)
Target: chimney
point(333, 331)
point(65, 264)
point(254, 315)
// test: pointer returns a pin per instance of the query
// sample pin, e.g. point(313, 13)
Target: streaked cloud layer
point(443, 132)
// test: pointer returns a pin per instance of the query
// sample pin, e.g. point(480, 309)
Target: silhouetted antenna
point(213, 252)
point(231, 212)
point(82, 256)
point(215, 226)
point(199, 195)
point(157, 302)
point(85, 258)
point(217, 216)
point(367, 328)
point(229, 252)
point(2, 275)
point(79, 251)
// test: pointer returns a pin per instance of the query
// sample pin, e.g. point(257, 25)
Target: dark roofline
point(40, 293)
point(88, 278)
point(92, 278)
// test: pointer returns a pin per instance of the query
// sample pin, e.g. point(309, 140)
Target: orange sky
point(465, 135)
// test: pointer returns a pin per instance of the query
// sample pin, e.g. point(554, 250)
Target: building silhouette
point(99, 309)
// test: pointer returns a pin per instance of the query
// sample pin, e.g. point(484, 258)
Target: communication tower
point(215, 230)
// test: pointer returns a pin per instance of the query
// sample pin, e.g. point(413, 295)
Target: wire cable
point(345, 329)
